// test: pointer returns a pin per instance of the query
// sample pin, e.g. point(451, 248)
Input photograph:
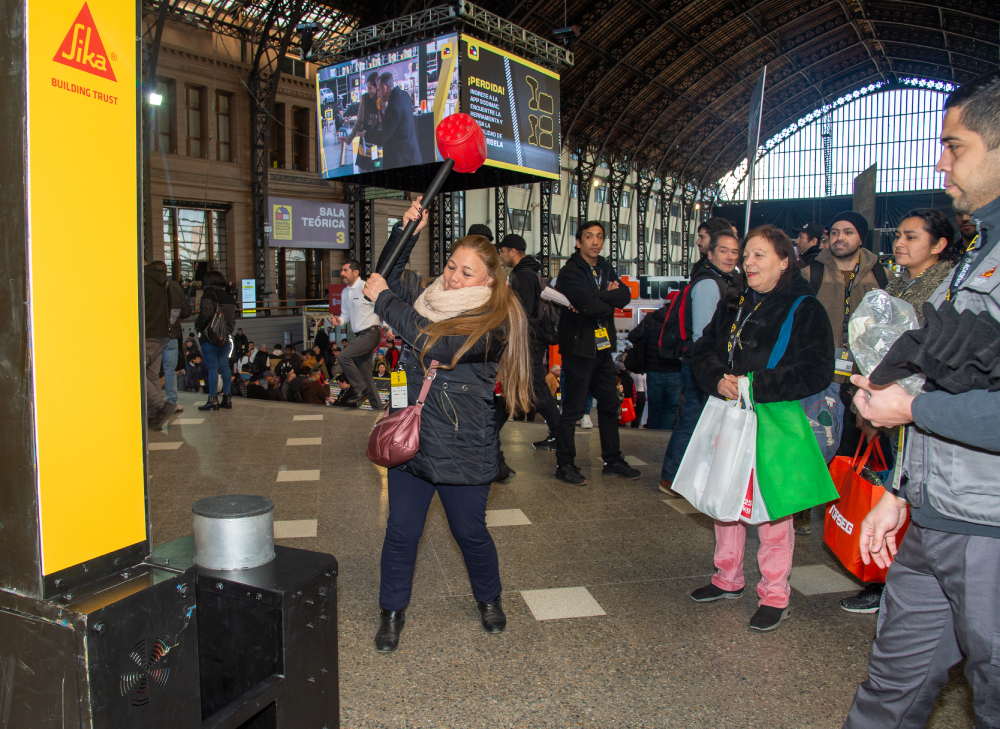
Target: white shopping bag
point(754, 510)
point(718, 464)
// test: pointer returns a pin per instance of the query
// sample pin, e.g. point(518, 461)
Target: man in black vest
point(586, 342)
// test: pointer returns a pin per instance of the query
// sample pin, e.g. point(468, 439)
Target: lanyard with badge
point(737, 328)
point(601, 338)
point(843, 363)
point(964, 267)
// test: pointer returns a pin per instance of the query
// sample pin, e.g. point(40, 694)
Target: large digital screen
point(379, 112)
point(517, 104)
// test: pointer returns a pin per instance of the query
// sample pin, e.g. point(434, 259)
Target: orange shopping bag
point(627, 414)
point(857, 498)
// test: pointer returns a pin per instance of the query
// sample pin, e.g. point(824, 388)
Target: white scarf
point(437, 304)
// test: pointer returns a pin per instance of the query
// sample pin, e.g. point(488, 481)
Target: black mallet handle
point(425, 202)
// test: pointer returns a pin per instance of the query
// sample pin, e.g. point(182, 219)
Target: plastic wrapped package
point(875, 326)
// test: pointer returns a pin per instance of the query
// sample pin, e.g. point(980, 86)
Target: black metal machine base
point(167, 645)
point(122, 652)
point(267, 640)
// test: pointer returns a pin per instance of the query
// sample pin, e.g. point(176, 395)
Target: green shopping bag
point(790, 467)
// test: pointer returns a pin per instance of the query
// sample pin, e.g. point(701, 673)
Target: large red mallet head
point(460, 138)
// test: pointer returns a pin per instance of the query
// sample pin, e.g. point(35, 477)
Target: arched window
point(895, 126)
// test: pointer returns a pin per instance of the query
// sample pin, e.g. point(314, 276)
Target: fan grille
point(146, 670)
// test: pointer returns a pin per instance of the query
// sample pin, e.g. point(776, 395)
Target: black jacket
point(524, 282)
point(701, 270)
point(260, 362)
point(217, 296)
point(805, 369)
point(647, 336)
point(398, 136)
point(593, 307)
point(806, 259)
point(462, 453)
point(156, 295)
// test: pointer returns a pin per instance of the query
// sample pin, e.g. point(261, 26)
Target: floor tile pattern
point(655, 659)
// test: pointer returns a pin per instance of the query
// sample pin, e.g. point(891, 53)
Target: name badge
point(398, 381)
point(843, 363)
point(601, 338)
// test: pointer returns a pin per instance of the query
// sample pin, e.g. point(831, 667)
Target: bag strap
point(879, 273)
point(425, 388)
point(784, 335)
point(816, 276)
point(857, 465)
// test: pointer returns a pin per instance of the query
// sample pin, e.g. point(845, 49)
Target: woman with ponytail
point(464, 319)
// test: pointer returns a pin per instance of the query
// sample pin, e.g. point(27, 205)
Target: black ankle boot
point(227, 402)
point(387, 637)
point(212, 404)
point(492, 616)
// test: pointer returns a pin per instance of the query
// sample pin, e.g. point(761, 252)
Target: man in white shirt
point(356, 358)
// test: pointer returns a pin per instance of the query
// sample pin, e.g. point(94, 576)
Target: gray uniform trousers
point(156, 399)
point(356, 362)
point(941, 600)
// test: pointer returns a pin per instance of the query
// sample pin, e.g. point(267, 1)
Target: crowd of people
point(758, 309)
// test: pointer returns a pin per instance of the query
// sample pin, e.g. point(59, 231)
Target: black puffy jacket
point(576, 329)
point(805, 369)
point(459, 441)
point(216, 296)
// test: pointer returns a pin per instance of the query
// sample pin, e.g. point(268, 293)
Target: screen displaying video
point(517, 104)
point(379, 112)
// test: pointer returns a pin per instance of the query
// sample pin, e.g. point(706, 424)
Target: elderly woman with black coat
point(464, 319)
point(737, 341)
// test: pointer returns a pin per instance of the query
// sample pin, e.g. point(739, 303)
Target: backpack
point(673, 334)
point(217, 331)
point(546, 324)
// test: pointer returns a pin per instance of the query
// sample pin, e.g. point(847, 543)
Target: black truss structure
point(617, 172)
point(545, 235)
point(361, 226)
point(642, 189)
point(501, 216)
point(442, 230)
point(586, 165)
point(665, 198)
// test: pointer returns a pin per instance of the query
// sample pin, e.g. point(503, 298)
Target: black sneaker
point(621, 468)
point(549, 444)
point(768, 618)
point(506, 472)
point(711, 593)
point(866, 601)
point(570, 474)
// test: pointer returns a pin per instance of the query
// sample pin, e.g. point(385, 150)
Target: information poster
point(297, 223)
point(516, 102)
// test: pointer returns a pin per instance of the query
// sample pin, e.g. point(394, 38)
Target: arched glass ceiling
point(895, 127)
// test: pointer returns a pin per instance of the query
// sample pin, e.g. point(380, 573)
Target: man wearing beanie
point(526, 282)
point(841, 275)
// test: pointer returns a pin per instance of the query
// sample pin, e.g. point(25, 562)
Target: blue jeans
point(170, 370)
point(217, 359)
point(694, 403)
point(465, 507)
point(663, 396)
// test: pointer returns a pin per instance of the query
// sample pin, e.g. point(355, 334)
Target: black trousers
point(544, 402)
point(640, 405)
point(598, 377)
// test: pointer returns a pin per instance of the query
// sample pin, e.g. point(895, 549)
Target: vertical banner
point(753, 140)
point(863, 202)
point(83, 133)
point(249, 290)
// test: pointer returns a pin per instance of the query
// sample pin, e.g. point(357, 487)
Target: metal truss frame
point(617, 172)
point(502, 214)
point(586, 166)
point(442, 231)
point(643, 189)
point(545, 236)
point(463, 14)
point(665, 197)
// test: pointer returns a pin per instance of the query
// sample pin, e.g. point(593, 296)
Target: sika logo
point(82, 48)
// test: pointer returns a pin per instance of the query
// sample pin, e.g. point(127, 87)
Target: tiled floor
point(642, 654)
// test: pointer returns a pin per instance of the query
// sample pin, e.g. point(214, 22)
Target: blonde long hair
point(501, 312)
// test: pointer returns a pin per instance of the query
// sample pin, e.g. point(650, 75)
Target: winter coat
point(918, 291)
point(647, 336)
point(459, 440)
point(156, 296)
point(832, 288)
point(594, 307)
point(804, 370)
point(213, 297)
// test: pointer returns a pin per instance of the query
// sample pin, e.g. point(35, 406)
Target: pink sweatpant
point(777, 543)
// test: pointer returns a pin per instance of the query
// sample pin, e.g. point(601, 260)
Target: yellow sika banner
point(85, 274)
